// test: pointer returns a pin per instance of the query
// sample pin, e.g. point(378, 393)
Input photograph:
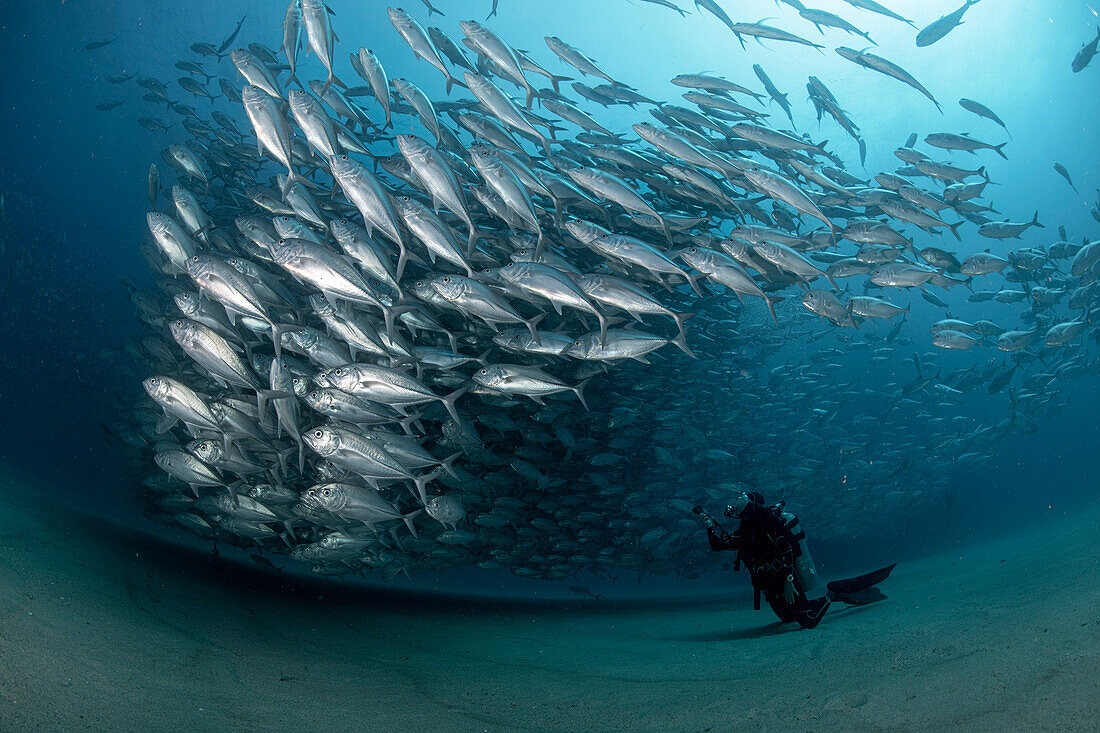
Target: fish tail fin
point(411, 423)
point(1035, 221)
point(556, 80)
point(540, 243)
point(263, 395)
point(955, 228)
point(603, 328)
point(409, 520)
point(771, 301)
point(579, 391)
point(681, 343)
point(284, 456)
point(422, 482)
point(983, 173)
point(402, 260)
point(292, 177)
point(664, 226)
point(449, 401)
point(680, 318)
point(693, 282)
point(532, 326)
point(276, 340)
point(448, 463)
point(1000, 150)
point(391, 315)
point(451, 81)
point(471, 241)
point(233, 491)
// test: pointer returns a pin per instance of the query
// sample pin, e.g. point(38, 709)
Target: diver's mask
point(740, 503)
point(743, 504)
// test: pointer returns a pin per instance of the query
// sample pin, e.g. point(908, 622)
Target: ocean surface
point(939, 394)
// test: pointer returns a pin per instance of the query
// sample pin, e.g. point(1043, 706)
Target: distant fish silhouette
point(263, 562)
point(584, 592)
point(1061, 170)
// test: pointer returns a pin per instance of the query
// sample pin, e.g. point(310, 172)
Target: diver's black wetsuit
point(768, 542)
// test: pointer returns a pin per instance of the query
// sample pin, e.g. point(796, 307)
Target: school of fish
point(509, 336)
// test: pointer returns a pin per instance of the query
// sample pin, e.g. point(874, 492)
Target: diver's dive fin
point(861, 582)
point(858, 597)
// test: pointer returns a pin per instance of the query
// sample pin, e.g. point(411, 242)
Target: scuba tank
point(804, 571)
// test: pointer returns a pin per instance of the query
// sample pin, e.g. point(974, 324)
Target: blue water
point(74, 188)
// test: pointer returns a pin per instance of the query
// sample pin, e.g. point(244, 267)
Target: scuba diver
point(772, 545)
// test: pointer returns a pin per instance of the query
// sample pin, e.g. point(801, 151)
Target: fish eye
point(344, 157)
point(318, 434)
point(404, 198)
point(484, 371)
point(327, 492)
point(577, 342)
point(446, 279)
point(339, 372)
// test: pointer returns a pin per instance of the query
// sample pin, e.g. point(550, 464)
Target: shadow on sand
point(233, 573)
point(775, 628)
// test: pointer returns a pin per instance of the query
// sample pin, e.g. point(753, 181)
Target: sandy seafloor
point(102, 629)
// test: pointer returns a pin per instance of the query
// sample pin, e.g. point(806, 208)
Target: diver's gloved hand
point(708, 522)
point(789, 592)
